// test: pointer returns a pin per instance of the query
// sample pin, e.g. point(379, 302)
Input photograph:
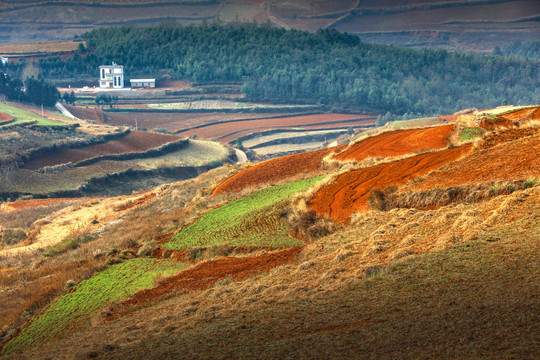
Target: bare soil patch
point(348, 193)
point(275, 169)
point(502, 157)
point(23, 204)
point(5, 118)
point(135, 141)
point(208, 273)
point(398, 143)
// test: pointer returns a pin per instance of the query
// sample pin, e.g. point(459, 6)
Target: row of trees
point(37, 91)
point(326, 67)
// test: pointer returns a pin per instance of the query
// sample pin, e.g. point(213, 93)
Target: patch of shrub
point(12, 236)
point(69, 243)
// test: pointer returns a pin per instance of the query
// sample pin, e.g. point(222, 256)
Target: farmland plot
point(254, 220)
point(75, 309)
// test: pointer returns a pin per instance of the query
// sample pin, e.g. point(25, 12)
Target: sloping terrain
point(135, 141)
point(348, 193)
point(274, 170)
point(454, 24)
point(453, 281)
point(397, 143)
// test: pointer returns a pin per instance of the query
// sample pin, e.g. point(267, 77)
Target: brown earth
point(176, 121)
point(275, 169)
point(86, 114)
point(333, 125)
point(5, 118)
point(502, 157)
point(523, 115)
point(348, 193)
point(135, 141)
point(208, 273)
point(233, 128)
point(398, 143)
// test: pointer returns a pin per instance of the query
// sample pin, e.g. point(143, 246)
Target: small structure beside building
point(143, 83)
point(111, 76)
point(4, 60)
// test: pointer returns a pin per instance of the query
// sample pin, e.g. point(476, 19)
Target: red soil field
point(233, 128)
point(275, 169)
point(23, 204)
point(135, 141)
point(4, 118)
point(348, 193)
point(523, 115)
point(86, 114)
point(502, 157)
point(355, 124)
point(176, 121)
point(206, 274)
point(397, 143)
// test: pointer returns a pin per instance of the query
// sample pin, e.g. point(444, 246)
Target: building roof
point(142, 80)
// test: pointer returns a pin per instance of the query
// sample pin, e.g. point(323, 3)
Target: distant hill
point(476, 26)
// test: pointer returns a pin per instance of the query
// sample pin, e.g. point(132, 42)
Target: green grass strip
point(254, 220)
point(24, 116)
point(75, 309)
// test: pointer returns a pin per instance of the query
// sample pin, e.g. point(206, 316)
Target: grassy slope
point(475, 299)
point(75, 309)
point(23, 116)
point(253, 220)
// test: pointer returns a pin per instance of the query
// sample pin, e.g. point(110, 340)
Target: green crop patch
point(75, 309)
point(24, 116)
point(469, 134)
point(254, 220)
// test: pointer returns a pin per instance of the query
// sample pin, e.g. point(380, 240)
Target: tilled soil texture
point(206, 274)
point(397, 143)
point(348, 193)
point(175, 121)
point(232, 130)
point(275, 169)
point(135, 141)
point(5, 118)
point(523, 115)
point(362, 123)
point(86, 114)
point(502, 157)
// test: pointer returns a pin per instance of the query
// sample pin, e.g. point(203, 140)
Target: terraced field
point(24, 116)
point(275, 169)
point(75, 309)
point(505, 156)
point(135, 141)
point(398, 143)
point(255, 220)
point(231, 130)
point(348, 193)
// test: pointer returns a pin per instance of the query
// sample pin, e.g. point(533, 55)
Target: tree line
point(326, 67)
point(37, 91)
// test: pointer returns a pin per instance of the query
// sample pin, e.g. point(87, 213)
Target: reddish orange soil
point(348, 193)
point(512, 159)
point(233, 128)
point(4, 118)
point(397, 143)
point(135, 141)
point(206, 274)
point(523, 115)
point(86, 114)
point(23, 204)
point(275, 169)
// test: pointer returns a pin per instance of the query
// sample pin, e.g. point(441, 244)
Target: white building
point(135, 83)
point(4, 60)
point(111, 76)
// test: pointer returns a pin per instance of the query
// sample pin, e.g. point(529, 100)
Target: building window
point(103, 73)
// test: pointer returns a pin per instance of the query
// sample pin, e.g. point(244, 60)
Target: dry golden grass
point(438, 272)
point(55, 46)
